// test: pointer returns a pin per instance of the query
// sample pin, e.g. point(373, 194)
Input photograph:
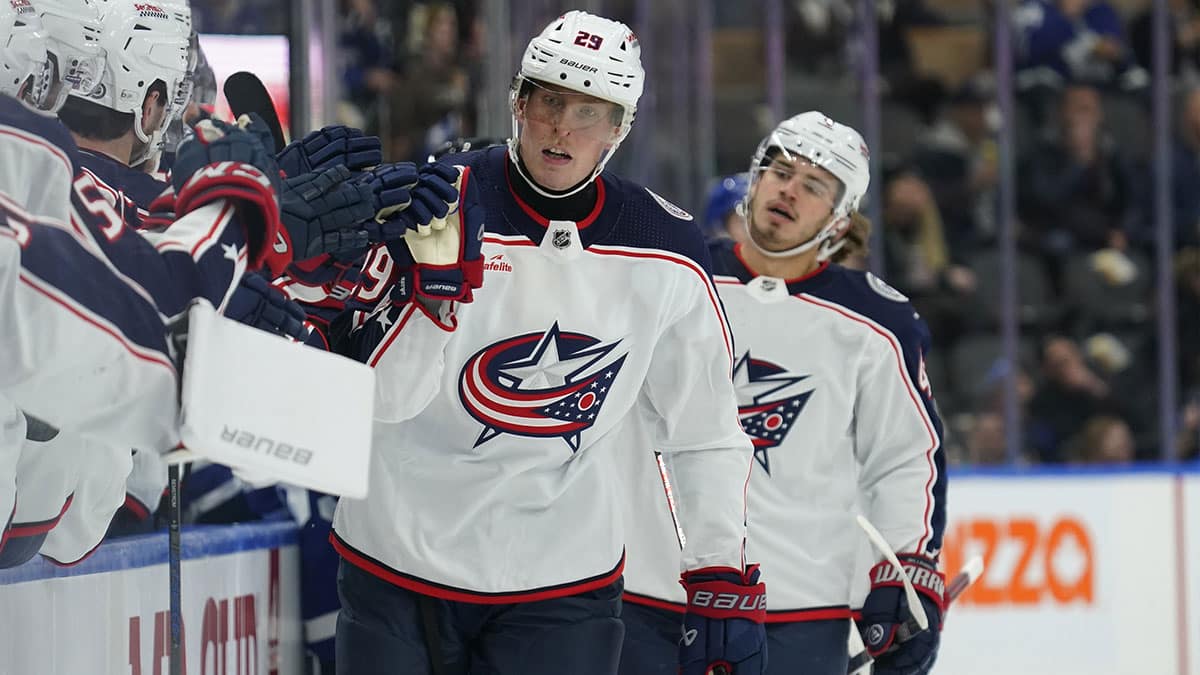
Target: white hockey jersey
point(84, 299)
point(493, 476)
point(831, 387)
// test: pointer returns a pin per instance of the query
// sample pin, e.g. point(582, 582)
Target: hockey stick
point(247, 94)
point(177, 332)
point(914, 602)
point(174, 569)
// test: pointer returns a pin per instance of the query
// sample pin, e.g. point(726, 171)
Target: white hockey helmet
point(835, 147)
point(145, 43)
point(72, 29)
point(25, 69)
point(588, 54)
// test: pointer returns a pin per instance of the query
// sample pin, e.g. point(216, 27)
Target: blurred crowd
point(1088, 370)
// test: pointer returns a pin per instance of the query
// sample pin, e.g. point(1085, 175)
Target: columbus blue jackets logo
point(767, 405)
point(540, 385)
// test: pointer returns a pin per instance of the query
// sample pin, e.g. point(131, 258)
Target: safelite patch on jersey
point(880, 286)
point(669, 207)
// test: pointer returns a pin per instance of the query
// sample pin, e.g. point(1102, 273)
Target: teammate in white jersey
point(491, 540)
point(98, 293)
point(832, 389)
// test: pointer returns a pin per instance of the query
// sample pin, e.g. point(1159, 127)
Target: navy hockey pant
point(380, 631)
point(796, 648)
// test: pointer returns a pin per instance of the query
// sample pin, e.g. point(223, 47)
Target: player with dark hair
point(830, 374)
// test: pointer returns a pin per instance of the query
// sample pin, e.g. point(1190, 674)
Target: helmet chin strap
point(816, 240)
point(516, 160)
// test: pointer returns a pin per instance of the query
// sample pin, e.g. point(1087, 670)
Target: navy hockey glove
point(723, 631)
point(432, 191)
point(214, 141)
point(324, 213)
point(255, 302)
point(896, 650)
point(329, 147)
point(441, 258)
point(392, 186)
point(225, 162)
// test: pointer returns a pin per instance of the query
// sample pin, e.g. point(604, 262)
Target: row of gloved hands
point(724, 632)
point(330, 193)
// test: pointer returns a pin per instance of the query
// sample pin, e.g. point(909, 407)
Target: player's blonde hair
point(857, 240)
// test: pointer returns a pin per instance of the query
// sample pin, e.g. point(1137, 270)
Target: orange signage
point(1026, 561)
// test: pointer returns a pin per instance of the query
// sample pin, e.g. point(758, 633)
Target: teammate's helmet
point(73, 33)
point(25, 69)
point(833, 146)
point(145, 43)
point(588, 54)
point(725, 196)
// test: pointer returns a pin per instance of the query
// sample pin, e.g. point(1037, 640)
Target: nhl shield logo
point(768, 285)
point(560, 238)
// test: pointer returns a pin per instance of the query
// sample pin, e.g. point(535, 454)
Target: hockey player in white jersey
point(491, 539)
point(830, 371)
point(99, 294)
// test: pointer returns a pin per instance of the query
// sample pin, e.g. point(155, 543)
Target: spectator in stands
point(917, 259)
point(1074, 186)
point(958, 158)
point(368, 75)
point(236, 17)
point(1184, 27)
point(1073, 40)
point(1104, 439)
point(1185, 177)
point(428, 108)
point(1187, 442)
point(818, 33)
point(1070, 393)
point(986, 443)
point(1187, 299)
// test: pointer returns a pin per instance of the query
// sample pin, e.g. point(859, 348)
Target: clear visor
point(179, 102)
point(780, 167)
point(571, 112)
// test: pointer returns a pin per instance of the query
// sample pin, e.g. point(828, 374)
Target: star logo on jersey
point(540, 385)
point(766, 409)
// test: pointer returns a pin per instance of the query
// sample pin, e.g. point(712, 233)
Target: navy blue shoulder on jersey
point(138, 186)
point(646, 222)
point(726, 262)
point(627, 216)
point(865, 294)
point(15, 114)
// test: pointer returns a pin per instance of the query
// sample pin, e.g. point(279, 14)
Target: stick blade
point(247, 94)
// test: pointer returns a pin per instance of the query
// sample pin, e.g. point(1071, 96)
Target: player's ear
point(152, 104)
